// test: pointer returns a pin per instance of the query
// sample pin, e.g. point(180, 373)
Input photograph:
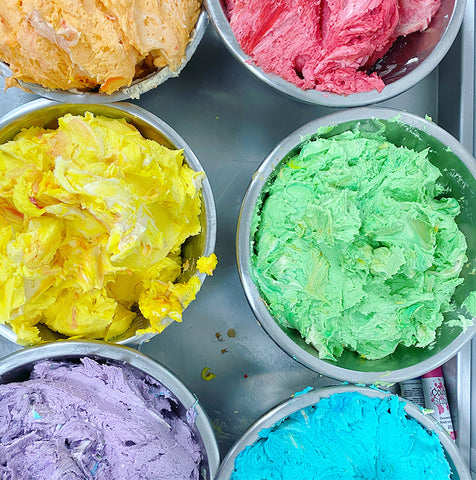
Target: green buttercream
point(470, 303)
point(355, 246)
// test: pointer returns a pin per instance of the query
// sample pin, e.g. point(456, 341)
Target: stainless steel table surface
point(231, 121)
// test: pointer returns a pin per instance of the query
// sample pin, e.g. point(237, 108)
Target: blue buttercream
point(347, 436)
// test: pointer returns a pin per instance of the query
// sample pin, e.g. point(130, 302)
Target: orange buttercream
point(89, 44)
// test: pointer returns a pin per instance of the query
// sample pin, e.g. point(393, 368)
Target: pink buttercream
point(325, 44)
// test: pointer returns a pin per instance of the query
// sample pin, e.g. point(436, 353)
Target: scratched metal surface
point(231, 121)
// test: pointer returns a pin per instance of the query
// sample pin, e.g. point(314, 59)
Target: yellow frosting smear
point(88, 44)
point(92, 219)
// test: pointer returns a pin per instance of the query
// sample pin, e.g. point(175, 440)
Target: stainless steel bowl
point(19, 365)
point(458, 467)
point(45, 113)
point(135, 90)
point(409, 60)
point(459, 174)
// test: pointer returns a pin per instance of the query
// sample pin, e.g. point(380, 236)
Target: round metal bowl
point(459, 173)
point(135, 90)
point(18, 366)
point(456, 462)
point(44, 113)
point(408, 61)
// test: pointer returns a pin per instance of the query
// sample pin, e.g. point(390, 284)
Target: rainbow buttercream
point(345, 436)
point(355, 244)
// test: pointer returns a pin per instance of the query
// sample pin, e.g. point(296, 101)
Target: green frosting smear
point(355, 246)
point(470, 303)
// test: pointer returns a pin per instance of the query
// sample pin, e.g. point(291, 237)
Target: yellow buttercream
point(207, 264)
point(92, 220)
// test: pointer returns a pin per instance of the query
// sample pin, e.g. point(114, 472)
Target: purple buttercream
point(93, 421)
